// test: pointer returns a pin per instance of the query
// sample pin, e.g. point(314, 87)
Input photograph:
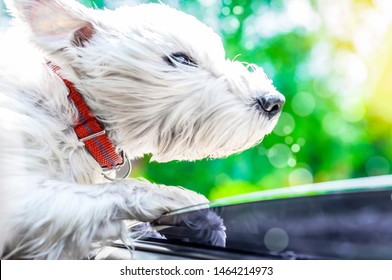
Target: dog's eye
point(180, 58)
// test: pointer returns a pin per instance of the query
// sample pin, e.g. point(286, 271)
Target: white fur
point(54, 201)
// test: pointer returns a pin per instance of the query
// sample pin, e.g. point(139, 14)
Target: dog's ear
point(54, 23)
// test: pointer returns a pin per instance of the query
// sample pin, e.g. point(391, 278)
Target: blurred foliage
point(332, 61)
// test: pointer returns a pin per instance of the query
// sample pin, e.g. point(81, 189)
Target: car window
point(342, 225)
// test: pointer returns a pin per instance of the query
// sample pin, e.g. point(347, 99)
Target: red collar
point(91, 133)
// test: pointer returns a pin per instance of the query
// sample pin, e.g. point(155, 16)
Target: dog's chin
point(164, 157)
point(197, 154)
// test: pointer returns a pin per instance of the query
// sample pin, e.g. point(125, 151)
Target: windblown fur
point(54, 201)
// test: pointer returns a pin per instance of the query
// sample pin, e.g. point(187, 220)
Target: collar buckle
point(121, 171)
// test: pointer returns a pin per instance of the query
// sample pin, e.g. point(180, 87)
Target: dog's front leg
point(63, 220)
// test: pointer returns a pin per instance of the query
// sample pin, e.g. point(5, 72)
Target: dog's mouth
point(232, 134)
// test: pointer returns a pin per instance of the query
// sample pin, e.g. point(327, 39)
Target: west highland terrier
point(84, 91)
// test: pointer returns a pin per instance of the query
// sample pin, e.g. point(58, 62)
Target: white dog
point(80, 89)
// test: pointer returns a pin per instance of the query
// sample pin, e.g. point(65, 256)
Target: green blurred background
point(332, 59)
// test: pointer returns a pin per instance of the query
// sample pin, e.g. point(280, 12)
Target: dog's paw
point(165, 199)
point(183, 197)
point(146, 202)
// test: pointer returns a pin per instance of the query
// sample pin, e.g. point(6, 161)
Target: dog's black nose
point(271, 105)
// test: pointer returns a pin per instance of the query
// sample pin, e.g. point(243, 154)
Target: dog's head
point(156, 77)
